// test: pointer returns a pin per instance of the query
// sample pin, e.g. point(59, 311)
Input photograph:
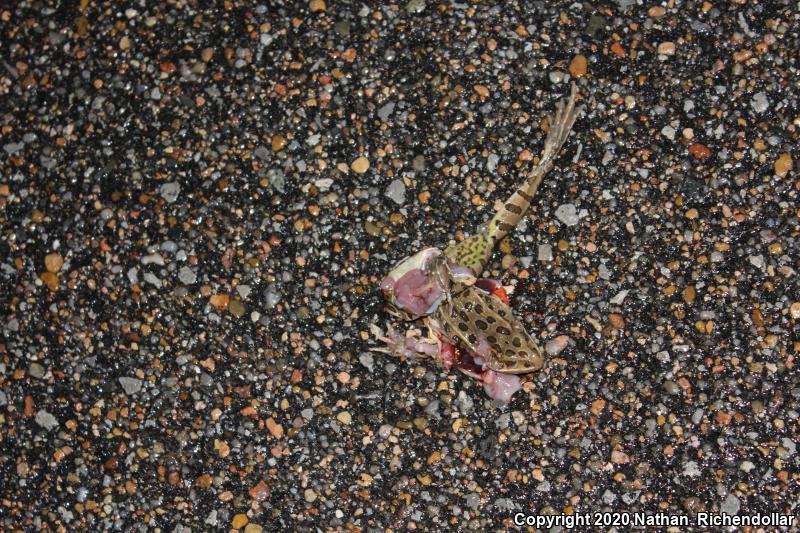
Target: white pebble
point(567, 214)
point(396, 192)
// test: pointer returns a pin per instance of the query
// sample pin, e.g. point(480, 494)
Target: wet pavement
point(197, 204)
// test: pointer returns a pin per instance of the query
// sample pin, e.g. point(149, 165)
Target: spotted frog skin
point(470, 324)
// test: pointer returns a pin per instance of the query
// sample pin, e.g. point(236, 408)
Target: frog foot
point(409, 345)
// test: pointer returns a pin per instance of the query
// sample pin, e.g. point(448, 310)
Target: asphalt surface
point(197, 203)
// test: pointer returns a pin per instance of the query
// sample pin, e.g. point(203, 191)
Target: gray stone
point(415, 6)
point(396, 192)
point(567, 214)
point(690, 469)
point(786, 442)
point(131, 385)
point(386, 111)
point(730, 505)
point(545, 252)
point(619, 297)
point(367, 360)
point(36, 370)
point(46, 420)
point(262, 152)
point(757, 261)
point(186, 275)
point(170, 191)
point(13, 148)
point(491, 162)
point(760, 102)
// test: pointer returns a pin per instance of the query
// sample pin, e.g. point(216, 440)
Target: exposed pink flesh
point(500, 387)
point(447, 354)
point(418, 346)
point(460, 273)
point(487, 284)
point(466, 363)
point(415, 292)
point(387, 283)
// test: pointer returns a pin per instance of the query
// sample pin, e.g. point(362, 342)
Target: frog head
point(419, 283)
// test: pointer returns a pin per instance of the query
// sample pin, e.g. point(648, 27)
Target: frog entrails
point(470, 324)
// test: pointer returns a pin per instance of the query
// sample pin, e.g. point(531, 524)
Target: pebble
point(730, 505)
point(53, 262)
point(567, 214)
point(152, 279)
point(789, 445)
point(783, 165)
point(130, 385)
point(557, 345)
point(668, 132)
point(757, 261)
point(367, 360)
point(760, 102)
point(666, 48)
point(344, 417)
point(271, 298)
point(544, 252)
point(491, 162)
point(278, 143)
point(415, 6)
point(396, 192)
point(578, 66)
point(691, 469)
point(275, 429)
point(556, 76)
point(46, 420)
point(618, 298)
point(236, 308)
point(170, 191)
point(385, 111)
point(317, 5)
point(239, 521)
point(35, 370)
point(150, 259)
point(360, 165)
point(187, 276)
point(13, 148)
point(309, 495)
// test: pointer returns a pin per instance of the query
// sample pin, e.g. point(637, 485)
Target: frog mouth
point(416, 292)
point(412, 287)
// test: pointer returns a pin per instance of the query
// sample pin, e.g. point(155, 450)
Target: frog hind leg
point(473, 252)
point(509, 215)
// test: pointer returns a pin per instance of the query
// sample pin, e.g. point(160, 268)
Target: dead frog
point(469, 322)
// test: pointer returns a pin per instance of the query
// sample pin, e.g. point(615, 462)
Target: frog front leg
point(408, 344)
